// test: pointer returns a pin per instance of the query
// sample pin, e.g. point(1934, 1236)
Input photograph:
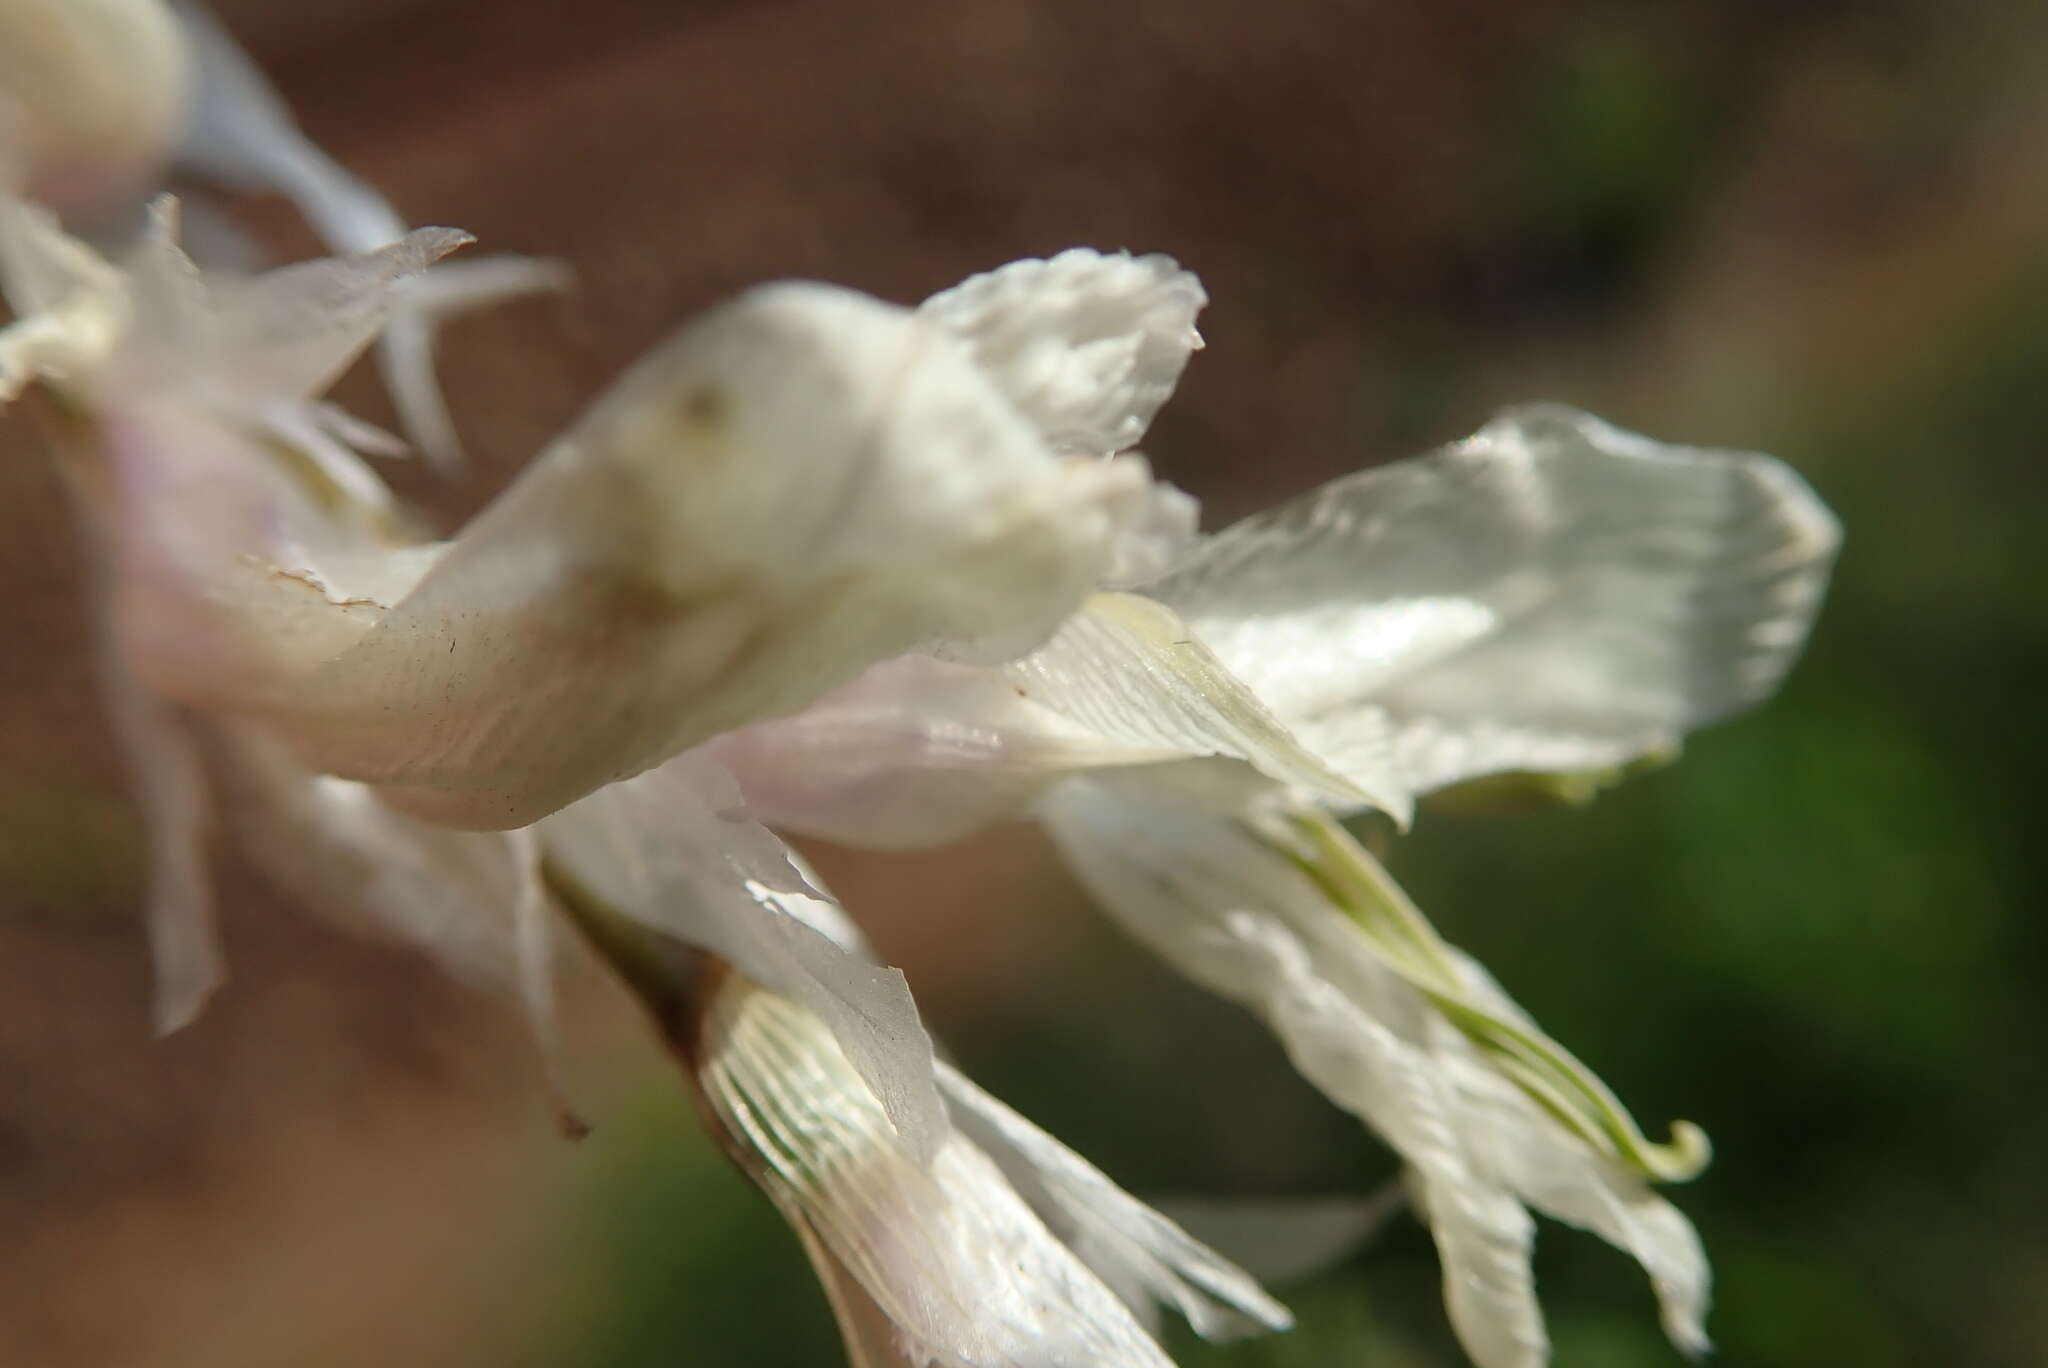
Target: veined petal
point(673, 850)
point(965, 1274)
point(1551, 594)
point(915, 752)
point(1127, 667)
point(1393, 1026)
point(919, 750)
point(1087, 345)
point(621, 604)
point(1133, 1248)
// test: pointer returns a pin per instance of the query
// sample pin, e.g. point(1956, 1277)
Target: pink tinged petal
point(228, 578)
point(1552, 594)
point(1087, 345)
point(915, 752)
point(919, 751)
point(621, 602)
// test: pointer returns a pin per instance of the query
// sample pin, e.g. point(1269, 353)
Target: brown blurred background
point(1819, 229)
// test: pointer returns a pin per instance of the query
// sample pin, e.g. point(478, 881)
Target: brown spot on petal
point(706, 408)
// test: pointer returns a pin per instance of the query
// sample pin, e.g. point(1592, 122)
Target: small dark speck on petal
point(704, 407)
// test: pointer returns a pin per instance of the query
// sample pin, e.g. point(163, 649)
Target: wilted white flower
point(1551, 596)
point(278, 648)
point(885, 575)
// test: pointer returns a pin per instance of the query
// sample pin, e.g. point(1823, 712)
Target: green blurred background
point(1817, 229)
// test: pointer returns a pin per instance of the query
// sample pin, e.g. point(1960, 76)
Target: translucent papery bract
point(1135, 1250)
point(963, 1272)
point(1440, 1074)
point(340, 852)
point(1087, 344)
point(673, 850)
point(919, 751)
point(915, 752)
point(804, 482)
point(1127, 667)
point(1552, 594)
point(238, 130)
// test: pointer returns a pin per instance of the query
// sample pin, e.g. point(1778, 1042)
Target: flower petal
point(1126, 667)
point(672, 850)
point(1087, 345)
point(290, 333)
point(1426, 1066)
point(947, 1251)
point(919, 750)
point(915, 752)
point(1551, 594)
point(621, 604)
point(1128, 1244)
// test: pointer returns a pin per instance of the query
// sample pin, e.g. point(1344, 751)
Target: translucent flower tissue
point(887, 575)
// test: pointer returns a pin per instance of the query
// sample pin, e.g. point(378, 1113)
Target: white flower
point(272, 632)
point(845, 567)
point(1550, 596)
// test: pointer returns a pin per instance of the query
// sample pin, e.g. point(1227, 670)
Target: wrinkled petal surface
point(621, 602)
point(919, 751)
point(1128, 1244)
point(674, 850)
point(1552, 594)
point(953, 1259)
point(1242, 915)
point(1087, 344)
